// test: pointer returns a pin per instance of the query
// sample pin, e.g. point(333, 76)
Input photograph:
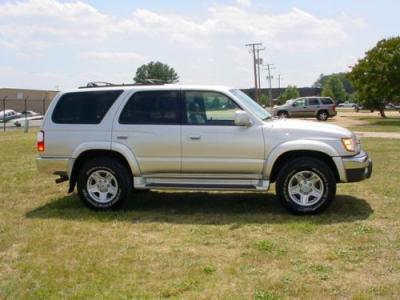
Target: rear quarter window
point(326, 101)
point(84, 107)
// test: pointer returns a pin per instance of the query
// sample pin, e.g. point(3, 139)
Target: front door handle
point(195, 137)
point(122, 137)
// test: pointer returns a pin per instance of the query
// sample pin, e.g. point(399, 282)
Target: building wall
point(25, 99)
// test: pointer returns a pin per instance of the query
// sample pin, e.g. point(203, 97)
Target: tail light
point(334, 107)
point(40, 141)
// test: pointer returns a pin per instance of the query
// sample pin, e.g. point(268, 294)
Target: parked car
point(8, 114)
point(391, 106)
point(347, 105)
point(112, 141)
point(320, 107)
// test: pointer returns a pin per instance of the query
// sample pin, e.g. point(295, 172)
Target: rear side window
point(153, 107)
point(84, 107)
point(313, 101)
point(326, 101)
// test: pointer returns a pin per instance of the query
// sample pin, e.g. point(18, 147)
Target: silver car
point(112, 141)
point(321, 108)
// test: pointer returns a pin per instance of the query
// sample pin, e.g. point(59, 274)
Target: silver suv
point(112, 141)
point(319, 107)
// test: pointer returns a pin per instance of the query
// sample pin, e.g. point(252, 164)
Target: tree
point(290, 92)
point(156, 70)
point(377, 75)
point(264, 100)
point(343, 77)
point(334, 88)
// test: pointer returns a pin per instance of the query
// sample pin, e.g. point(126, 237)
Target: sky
point(52, 44)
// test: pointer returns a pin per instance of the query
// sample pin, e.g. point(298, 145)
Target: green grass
point(378, 124)
point(196, 245)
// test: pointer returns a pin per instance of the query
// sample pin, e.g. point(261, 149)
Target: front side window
point(84, 107)
point(151, 107)
point(300, 102)
point(209, 108)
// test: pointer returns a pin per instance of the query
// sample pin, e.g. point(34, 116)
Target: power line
point(252, 47)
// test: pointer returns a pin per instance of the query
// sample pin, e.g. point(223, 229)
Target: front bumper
point(358, 167)
point(51, 165)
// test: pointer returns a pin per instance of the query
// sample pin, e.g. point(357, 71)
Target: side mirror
point(242, 118)
point(294, 104)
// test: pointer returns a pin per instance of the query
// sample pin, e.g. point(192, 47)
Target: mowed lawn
point(378, 124)
point(184, 245)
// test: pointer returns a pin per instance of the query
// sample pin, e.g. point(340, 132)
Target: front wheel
point(306, 186)
point(283, 115)
point(104, 183)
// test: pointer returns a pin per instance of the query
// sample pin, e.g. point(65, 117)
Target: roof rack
point(96, 84)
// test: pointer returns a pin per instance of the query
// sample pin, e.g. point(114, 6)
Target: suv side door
point(149, 125)
point(313, 105)
point(212, 143)
point(298, 108)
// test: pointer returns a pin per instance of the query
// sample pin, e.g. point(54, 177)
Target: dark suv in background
point(320, 107)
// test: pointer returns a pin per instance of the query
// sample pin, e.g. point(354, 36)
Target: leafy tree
point(264, 100)
point(343, 77)
point(156, 70)
point(334, 88)
point(290, 92)
point(377, 75)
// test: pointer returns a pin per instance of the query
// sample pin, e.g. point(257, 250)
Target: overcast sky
point(46, 44)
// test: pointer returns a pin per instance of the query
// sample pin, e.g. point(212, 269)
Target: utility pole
point(253, 50)
point(269, 77)
point(259, 63)
point(279, 82)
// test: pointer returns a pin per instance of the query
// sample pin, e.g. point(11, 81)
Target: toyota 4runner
point(109, 141)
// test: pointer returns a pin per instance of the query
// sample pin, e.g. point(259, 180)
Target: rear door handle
point(122, 137)
point(195, 137)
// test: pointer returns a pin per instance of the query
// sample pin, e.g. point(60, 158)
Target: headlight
point(349, 144)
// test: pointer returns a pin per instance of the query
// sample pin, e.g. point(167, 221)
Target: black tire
point(283, 114)
point(121, 177)
point(311, 165)
point(322, 115)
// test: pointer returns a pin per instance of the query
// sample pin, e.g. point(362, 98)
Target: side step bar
point(201, 184)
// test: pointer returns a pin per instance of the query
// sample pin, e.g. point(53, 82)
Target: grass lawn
point(196, 245)
point(378, 124)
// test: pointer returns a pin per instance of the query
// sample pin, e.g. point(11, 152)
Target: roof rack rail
point(96, 84)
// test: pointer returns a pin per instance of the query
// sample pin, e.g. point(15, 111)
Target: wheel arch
point(284, 153)
point(87, 155)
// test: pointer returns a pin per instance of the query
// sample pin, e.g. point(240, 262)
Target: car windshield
point(252, 105)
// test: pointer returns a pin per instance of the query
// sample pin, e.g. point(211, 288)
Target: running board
point(201, 184)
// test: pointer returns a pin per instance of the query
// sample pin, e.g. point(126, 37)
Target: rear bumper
point(51, 165)
point(358, 167)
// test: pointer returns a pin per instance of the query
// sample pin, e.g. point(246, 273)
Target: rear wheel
point(306, 186)
point(104, 183)
point(322, 115)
